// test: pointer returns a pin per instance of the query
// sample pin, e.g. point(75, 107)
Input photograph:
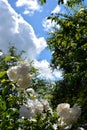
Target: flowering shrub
point(20, 74)
point(22, 108)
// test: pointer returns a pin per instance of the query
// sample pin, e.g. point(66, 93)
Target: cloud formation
point(19, 33)
point(49, 25)
point(30, 6)
point(15, 30)
point(56, 9)
point(45, 70)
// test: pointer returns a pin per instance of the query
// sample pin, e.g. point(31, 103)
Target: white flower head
point(20, 74)
point(63, 109)
point(68, 115)
point(31, 108)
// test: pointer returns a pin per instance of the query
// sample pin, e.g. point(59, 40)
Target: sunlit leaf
point(2, 74)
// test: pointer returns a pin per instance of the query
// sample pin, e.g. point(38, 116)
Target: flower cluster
point(68, 115)
point(33, 107)
point(20, 74)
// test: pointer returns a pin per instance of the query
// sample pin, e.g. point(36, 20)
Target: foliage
point(26, 108)
point(43, 87)
point(8, 98)
point(69, 51)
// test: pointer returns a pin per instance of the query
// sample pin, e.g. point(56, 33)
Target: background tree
point(68, 45)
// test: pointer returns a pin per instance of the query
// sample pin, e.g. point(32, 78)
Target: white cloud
point(14, 29)
point(57, 74)
point(30, 6)
point(65, 1)
point(49, 25)
point(56, 10)
point(45, 70)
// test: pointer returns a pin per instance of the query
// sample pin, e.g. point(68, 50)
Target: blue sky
point(24, 25)
point(37, 17)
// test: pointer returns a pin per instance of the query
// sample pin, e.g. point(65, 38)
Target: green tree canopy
point(68, 45)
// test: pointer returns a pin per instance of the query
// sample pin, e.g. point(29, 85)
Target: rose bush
point(21, 107)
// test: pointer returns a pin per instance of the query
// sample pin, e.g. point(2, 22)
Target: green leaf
point(55, 114)
point(5, 90)
point(49, 96)
point(3, 80)
point(2, 104)
point(8, 58)
point(2, 74)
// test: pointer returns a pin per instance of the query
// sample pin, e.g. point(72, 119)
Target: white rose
point(20, 75)
point(68, 115)
point(63, 109)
